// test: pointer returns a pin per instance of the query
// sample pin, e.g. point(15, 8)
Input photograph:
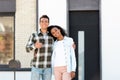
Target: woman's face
point(55, 32)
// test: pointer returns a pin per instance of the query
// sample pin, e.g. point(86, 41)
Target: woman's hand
point(72, 74)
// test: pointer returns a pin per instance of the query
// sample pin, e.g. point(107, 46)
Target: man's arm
point(74, 46)
point(30, 44)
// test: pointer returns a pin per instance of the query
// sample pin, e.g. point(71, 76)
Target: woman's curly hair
point(56, 26)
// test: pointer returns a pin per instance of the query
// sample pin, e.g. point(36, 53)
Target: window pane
point(6, 39)
point(81, 40)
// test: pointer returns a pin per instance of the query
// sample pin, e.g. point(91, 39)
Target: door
point(85, 24)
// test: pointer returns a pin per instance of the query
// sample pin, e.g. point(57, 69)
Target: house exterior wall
point(25, 24)
point(25, 21)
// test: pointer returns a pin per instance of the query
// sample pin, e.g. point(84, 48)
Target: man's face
point(44, 23)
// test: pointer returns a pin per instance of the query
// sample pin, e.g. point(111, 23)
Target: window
point(6, 38)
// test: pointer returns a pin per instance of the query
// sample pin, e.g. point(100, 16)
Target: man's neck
point(44, 31)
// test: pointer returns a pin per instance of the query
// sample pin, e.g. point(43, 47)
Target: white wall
point(18, 75)
point(56, 10)
point(6, 75)
point(110, 15)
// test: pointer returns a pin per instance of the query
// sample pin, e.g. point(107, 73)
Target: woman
point(63, 57)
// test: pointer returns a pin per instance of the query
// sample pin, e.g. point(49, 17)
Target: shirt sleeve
point(73, 58)
point(30, 44)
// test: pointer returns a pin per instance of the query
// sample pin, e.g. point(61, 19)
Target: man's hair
point(44, 16)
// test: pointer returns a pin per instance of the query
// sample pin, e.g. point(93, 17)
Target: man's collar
point(40, 32)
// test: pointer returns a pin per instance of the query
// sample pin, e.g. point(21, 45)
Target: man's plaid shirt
point(43, 54)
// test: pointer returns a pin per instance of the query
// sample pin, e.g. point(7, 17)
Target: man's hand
point(38, 44)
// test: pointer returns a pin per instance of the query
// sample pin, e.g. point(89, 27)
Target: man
point(41, 43)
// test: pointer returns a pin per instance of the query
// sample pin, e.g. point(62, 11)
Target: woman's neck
point(60, 38)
